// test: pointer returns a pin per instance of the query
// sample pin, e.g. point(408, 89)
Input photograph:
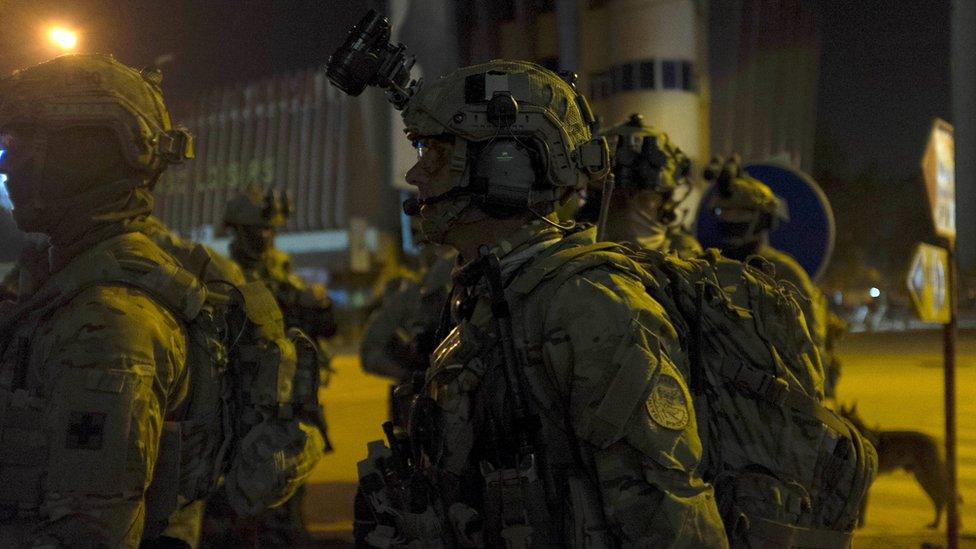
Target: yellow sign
point(939, 169)
point(928, 283)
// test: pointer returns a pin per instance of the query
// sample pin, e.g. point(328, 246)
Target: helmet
point(96, 90)
point(645, 158)
point(253, 207)
point(522, 134)
point(744, 205)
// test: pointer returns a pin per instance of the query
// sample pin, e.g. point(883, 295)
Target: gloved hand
point(270, 463)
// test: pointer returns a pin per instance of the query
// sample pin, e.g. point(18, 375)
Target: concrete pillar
point(659, 31)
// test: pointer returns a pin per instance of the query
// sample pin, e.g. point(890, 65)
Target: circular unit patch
point(667, 404)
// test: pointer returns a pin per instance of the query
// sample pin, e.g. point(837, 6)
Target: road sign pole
point(949, 342)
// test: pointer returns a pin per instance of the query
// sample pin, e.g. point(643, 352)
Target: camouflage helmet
point(645, 158)
point(96, 90)
point(257, 208)
point(512, 98)
point(736, 190)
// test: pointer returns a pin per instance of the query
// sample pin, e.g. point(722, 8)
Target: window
point(669, 75)
point(687, 76)
point(647, 75)
point(627, 77)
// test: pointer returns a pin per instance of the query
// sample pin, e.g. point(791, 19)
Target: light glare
point(63, 38)
point(874, 292)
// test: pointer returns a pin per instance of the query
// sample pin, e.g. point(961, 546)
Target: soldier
point(254, 217)
point(556, 412)
point(648, 169)
point(102, 383)
point(747, 211)
point(401, 332)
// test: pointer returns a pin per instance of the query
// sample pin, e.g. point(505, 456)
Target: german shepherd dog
point(915, 452)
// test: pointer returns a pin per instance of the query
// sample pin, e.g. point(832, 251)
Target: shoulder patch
point(667, 404)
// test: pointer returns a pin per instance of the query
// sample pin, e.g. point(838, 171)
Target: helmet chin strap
point(411, 206)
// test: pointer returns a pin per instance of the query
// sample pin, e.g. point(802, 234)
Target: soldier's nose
point(416, 176)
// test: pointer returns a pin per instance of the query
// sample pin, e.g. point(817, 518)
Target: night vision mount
point(368, 58)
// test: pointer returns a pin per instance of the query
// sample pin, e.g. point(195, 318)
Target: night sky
point(213, 42)
point(884, 75)
point(884, 70)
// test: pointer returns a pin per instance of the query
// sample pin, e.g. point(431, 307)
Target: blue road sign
point(809, 234)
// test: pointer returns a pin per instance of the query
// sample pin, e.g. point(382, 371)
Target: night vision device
point(368, 58)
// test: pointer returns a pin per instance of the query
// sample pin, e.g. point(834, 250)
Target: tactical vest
point(548, 499)
point(787, 471)
point(241, 366)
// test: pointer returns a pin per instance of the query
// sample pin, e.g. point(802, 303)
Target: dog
point(915, 452)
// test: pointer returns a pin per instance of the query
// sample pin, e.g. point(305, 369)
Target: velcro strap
point(777, 391)
point(176, 287)
point(753, 380)
point(459, 156)
point(787, 535)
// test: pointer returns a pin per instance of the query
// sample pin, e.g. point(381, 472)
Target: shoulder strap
point(551, 266)
point(175, 288)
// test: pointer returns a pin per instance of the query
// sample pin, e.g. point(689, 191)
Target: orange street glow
point(63, 38)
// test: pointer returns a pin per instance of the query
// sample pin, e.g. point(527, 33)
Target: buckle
point(175, 146)
point(776, 390)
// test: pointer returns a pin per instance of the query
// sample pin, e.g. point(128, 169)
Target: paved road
point(897, 381)
point(895, 378)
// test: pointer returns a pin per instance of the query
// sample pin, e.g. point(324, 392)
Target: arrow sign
point(928, 283)
point(939, 169)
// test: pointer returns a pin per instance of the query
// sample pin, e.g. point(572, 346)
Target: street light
point(63, 38)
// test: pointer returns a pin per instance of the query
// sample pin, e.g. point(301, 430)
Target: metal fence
point(294, 132)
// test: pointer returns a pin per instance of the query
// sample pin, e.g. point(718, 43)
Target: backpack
point(243, 366)
point(787, 471)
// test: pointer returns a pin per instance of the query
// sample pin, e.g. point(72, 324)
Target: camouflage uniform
point(305, 306)
point(402, 331)
point(558, 413)
point(186, 524)
point(747, 210)
point(254, 217)
point(399, 335)
point(618, 438)
point(648, 168)
point(812, 300)
point(95, 368)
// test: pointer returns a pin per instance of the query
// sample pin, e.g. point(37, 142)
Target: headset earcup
point(504, 172)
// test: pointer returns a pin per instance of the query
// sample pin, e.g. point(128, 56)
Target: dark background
point(884, 76)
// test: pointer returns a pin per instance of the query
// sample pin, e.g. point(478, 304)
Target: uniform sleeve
point(812, 301)
point(384, 349)
point(113, 359)
point(631, 412)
